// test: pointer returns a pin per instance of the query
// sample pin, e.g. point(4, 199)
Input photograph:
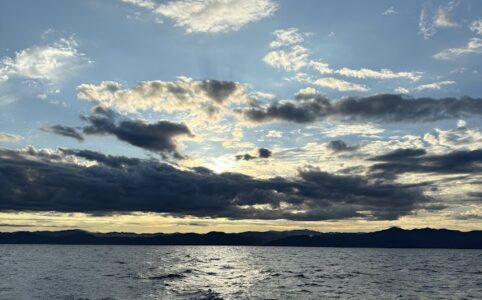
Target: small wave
point(206, 295)
point(166, 276)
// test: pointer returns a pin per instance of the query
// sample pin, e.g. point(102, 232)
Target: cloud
point(340, 146)
point(418, 161)
point(364, 129)
point(48, 63)
point(261, 153)
point(211, 15)
point(307, 91)
point(425, 23)
point(286, 37)
point(364, 73)
point(65, 131)
point(274, 134)
point(292, 59)
point(379, 108)
point(264, 153)
point(158, 137)
point(431, 19)
point(141, 3)
point(55, 183)
point(245, 156)
point(427, 86)
point(400, 155)
point(434, 86)
point(476, 27)
point(208, 97)
point(381, 74)
point(402, 90)
point(474, 46)
point(8, 137)
point(100, 158)
point(304, 111)
point(459, 138)
point(390, 11)
point(443, 17)
point(321, 67)
point(340, 85)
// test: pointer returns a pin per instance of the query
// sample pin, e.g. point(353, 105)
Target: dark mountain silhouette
point(389, 238)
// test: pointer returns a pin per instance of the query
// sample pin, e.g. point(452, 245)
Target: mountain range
point(389, 238)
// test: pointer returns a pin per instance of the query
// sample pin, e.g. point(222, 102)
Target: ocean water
point(205, 272)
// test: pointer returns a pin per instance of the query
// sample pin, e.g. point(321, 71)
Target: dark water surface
point(205, 272)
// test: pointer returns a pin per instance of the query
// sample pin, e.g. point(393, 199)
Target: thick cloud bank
point(91, 182)
point(309, 108)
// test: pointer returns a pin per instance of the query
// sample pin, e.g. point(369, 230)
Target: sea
point(227, 272)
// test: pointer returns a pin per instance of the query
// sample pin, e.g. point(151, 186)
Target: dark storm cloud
point(245, 156)
point(123, 185)
point(65, 131)
point(340, 146)
point(157, 137)
point(262, 153)
point(218, 90)
point(417, 161)
point(304, 111)
point(108, 160)
point(400, 154)
point(381, 108)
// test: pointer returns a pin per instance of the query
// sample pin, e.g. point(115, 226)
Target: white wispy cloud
point(474, 46)
point(431, 19)
point(427, 86)
point(425, 24)
point(307, 91)
point(340, 85)
point(286, 37)
point(379, 74)
point(48, 63)
point(321, 67)
point(353, 129)
point(293, 56)
point(264, 95)
point(210, 15)
point(476, 26)
point(434, 85)
point(8, 137)
point(274, 134)
point(292, 59)
point(141, 3)
point(402, 90)
point(390, 11)
point(443, 18)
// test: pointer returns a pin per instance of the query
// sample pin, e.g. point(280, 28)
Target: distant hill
point(389, 238)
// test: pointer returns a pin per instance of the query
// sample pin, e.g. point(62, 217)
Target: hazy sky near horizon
point(233, 115)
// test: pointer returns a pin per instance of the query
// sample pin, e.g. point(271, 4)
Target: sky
point(236, 115)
